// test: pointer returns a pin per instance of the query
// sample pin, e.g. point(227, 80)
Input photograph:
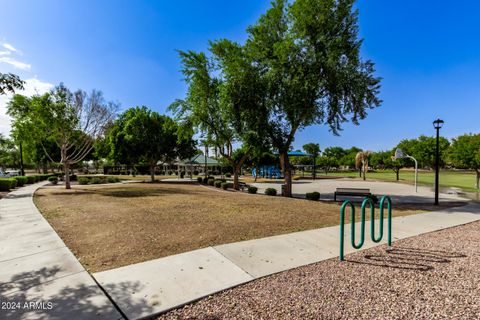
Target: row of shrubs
point(314, 196)
point(97, 180)
point(6, 184)
point(218, 183)
point(221, 183)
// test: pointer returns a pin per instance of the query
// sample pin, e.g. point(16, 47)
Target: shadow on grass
point(68, 300)
point(124, 192)
point(408, 258)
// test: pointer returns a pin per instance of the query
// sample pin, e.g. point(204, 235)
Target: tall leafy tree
point(224, 100)
point(308, 52)
point(465, 154)
point(140, 135)
point(9, 154)
point(70, 120)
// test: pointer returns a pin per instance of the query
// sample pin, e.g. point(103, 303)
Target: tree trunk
point(398, 174)
point(236, 173)
point(152, 172)
point(67, 175)
point(314, 169)
point(257, 171)
point(285, 163)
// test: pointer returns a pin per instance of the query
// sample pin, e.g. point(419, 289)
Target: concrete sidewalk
point(39, 277)
point(172, 281)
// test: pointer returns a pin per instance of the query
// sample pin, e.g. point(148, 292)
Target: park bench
point(351, 192)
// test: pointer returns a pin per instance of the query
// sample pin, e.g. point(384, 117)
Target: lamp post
point(399, 155)
point(437, 124)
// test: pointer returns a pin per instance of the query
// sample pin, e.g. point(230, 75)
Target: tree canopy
point(71, 121)
point(309, 55)
point(224, 100)
point(141, 135)
point(464, 153)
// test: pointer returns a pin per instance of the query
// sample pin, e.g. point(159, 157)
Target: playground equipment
point(271, 172)
point(366, 202)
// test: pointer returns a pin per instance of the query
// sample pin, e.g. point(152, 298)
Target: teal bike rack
point(367, 202)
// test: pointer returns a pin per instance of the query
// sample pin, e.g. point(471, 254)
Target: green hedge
point(252, 189)
point(83, 180)
point(6, 184)
point(30, 179)
point(21, 180)
point(315, 196)
point(199, 179)
point(225, 185)
point(211, 181)
point(271, 192)
point(218, 183)
point(205, 179)
point(53, 180)
point(97, 180)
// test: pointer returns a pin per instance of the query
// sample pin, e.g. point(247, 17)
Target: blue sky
point(427, 53)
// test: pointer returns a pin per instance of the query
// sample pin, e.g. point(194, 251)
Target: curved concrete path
point(39, 277)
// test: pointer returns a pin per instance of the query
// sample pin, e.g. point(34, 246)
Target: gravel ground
point(432, 276)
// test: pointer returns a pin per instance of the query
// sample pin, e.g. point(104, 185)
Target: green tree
point(424, 149)
point(9, 154)
point(314, 150)
point(71, 120)
point(140, 135)
point(10, 82)
point(309, 55)
point(384, 160)
point(348, 160)
point(465, 154)
point(327, 162)
point(224, 100)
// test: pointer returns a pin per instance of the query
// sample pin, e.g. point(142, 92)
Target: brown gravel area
point(432, 276)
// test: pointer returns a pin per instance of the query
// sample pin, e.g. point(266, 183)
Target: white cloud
point(32, 86)
point(9, 47)
point(15, 63)
point(4, 53)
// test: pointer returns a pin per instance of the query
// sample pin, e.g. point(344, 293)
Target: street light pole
point(437, 124)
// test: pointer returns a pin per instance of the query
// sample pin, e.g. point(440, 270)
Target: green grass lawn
point(464, 180)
